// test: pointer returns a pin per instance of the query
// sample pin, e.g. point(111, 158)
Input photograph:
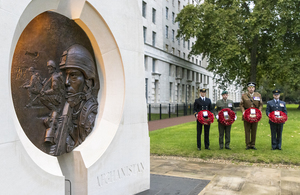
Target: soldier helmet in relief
point(31, 69)
point(78, 57)
point(224, 92)
point(51, 63)
point(251, 84)
point(203, 90)
point(276, 92)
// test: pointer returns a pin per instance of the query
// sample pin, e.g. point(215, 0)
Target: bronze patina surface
point(55, 83)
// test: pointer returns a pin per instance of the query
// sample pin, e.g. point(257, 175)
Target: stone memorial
point(73, 111)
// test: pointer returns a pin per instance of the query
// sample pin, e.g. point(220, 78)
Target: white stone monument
point(114, 159)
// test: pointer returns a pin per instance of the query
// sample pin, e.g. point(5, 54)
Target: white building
point(170, 76)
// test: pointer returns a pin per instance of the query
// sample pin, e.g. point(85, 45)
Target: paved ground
point(225, 177)
point(230, 179)
point(159, 124)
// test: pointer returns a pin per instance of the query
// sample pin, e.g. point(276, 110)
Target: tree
point(245, 40)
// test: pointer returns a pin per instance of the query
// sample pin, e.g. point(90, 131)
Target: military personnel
point(250, 100)
point(221, 104)
point(276, 129)
point(202, 103)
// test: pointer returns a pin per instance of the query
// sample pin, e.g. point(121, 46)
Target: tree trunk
point(299, 106)
point(254, 61)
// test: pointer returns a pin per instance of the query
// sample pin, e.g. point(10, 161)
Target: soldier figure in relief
point(51, 96)
point(80, 71)
point(33, 86)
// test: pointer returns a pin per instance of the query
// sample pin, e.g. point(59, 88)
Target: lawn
point(180, 140)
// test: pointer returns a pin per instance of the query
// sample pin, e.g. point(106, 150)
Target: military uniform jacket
point(221, 105)
point(272, 106)
point(251, 102)
point(202, 105)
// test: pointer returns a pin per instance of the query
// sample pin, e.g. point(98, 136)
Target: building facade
point(171, 76)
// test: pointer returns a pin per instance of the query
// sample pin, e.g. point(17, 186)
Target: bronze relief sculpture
point(57, 102)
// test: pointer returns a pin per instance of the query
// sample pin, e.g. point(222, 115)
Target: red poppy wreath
point(252, 115)
point(226, 118)
point(278, 117)
point(205, 120)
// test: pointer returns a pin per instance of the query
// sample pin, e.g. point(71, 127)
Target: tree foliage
point(246, 40)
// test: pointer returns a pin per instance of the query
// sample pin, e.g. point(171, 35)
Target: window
point(167, 30)
point(178, 39)
point(197, 61)
point(144, 9)
point(173, 3)
point(146, 89)
point(173, 50)
point(179, 53)
point(144, 33)
point(207, 82)
point(200, 78)
point(173, 17)
point(170, 70)
point(182, 93)
point(173, 35)
point(182, 73)
point(153, 15)
point(153, 38)
point(153, 65)
point(183, 42)
point(171, 92)
point(167, 47)
point(200, 62)
point(183, 55)
point(155, 91)
point(145, 62)
point(188, 44)
point(193, 59)
point(178, 5)
point(167, 13)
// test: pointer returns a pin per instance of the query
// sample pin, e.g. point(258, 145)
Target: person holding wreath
point(274, 111)
point(251, 100)
point(222, 107)
point(202, 103)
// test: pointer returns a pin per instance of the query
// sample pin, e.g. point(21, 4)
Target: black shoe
point(273, 149)
point(207, 148)
point(248, 147)
point(279, 149)
point(227, 148)
point(199, 148)
point(254, 148)
point(221, 148)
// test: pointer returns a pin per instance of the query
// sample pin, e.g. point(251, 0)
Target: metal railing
point(163, 111)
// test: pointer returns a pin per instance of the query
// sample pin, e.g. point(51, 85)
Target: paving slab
point(231, 179)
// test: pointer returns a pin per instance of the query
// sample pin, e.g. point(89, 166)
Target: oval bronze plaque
point(55, 83)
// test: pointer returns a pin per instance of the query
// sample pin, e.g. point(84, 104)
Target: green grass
point(180, 140)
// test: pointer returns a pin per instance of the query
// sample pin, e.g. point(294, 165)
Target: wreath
point(205, 121)
point(281, 118)
point(250, 117)
point(226, 121)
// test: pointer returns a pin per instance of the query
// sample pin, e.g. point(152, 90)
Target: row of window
point(179, 72)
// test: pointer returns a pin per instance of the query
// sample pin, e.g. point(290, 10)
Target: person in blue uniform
point(202, 103)
point(276, 129)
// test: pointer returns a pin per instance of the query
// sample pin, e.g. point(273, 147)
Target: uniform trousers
point(224, 129)
point(276, 135)
point(250, 133)
point(206, 135)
